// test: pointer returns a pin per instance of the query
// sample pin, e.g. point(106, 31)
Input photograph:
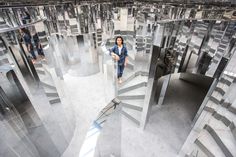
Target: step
point(215, 61)
point(131, 97)
point(223, 86)
point(226, 104)
point(130, 106)
point(209, 109)
point(217, 95)
point(219, 33)
point(222, 46)
point(137, 91)
point(217, 40)
point(229, 117)
point(212, 50)
point(51, 94)
point(214, 100)
point(228, 33)
point(38, 65)
point(220, 50)
point(225, 81)
point(221, 118)
point(218, 36)
point(40, 71)
point(49, 90)
point(196, 152)
point(4, 61)
point(104, 114)
point(213, 105)
point(134, 81)
point(209, 143)
point(224, 42)
point(54, 101)
point(217, 55)
point(138, 102)
point(228, 77)
point(143, 73)
point(132, 115)
point(129, 88)
point(223, 137)
point(203, 148)
point(48, 85)
point(128, 79)
point(44, 62)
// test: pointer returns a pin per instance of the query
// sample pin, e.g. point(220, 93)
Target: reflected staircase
point(47, 82)
point(217, 137)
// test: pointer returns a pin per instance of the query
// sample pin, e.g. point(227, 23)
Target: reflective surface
point(40, 45)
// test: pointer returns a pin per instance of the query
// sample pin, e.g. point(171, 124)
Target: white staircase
point(132, 94)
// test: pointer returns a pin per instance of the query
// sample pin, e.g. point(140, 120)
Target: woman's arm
point(112, 50)
point(29, 47)
point(126, 61)
point(126, 57)
point(114, 55)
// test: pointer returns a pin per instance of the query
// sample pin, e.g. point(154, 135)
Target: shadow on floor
point(172, 121)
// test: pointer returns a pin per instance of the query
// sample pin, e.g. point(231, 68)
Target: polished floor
point(88, 99)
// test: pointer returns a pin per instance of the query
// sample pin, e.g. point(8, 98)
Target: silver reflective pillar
point(164, 89)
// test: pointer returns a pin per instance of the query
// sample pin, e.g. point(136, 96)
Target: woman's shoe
point(120, 80)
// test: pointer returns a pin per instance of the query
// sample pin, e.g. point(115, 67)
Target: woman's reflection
point(28, 43)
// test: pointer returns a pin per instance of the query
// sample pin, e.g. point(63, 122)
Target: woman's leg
point(122, 67)
point(40, 50)
point(118, 71)
point(32, 52)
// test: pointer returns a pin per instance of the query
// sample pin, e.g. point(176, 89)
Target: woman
point(120, 54)
point(27, 39)
point(38, 46)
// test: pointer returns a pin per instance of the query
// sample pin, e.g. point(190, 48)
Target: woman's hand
point(29, 48)
point(126, 61)
point(125, 64)
point(115, 56)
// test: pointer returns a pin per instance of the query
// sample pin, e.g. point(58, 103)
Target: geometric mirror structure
point(117, 78)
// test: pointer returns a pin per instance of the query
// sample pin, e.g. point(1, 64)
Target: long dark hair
point(27, 14)
point(26, 31)
point(121, 40)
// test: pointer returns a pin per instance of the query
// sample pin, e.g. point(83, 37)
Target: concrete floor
point(88, 100)
point(168, 127)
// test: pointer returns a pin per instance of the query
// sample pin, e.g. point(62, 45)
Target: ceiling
point(175, 2)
